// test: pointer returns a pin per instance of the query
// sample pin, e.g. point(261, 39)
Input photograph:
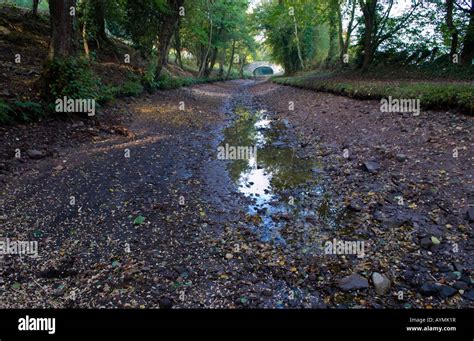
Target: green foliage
point(142, 22)
point(6, 113)
point(70, 77)
point(431, 95)
point(130, 88)
point(149, 77)
point(28, 111)
point(301, 25)
point(166, 82)
point(22, 112)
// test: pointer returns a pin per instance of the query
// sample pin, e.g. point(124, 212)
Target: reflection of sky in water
point(273, 169)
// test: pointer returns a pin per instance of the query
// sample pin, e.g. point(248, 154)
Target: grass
point(432, 95)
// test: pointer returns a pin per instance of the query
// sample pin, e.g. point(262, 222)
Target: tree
point(98, 19)
point(63, 31)
point(345, 36)
point(379, 26)
point(35, 7)
point(467, 54)
point(166, 30)
point(451, 28)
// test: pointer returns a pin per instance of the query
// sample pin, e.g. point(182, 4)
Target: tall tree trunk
point(341, 36)
point(221, 63)
point(369, 8)
point(242, 64)
point(208, 70)
point(334, 33)
point(98, 8)
point(350, 28)
point(452, 29)
point(63, 34)
point(467, 55)
point(167, 29)
point(231, 62)
point(298, 47)
point(206, 55)
point(177, 44)
point(35, 7)
point(84, 39)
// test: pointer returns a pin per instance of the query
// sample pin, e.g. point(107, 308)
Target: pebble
point(35, 154)
point(381, 283)
point(165, 303)
point(353, 282)
point(446, 291)
point(470, 214)
point(371, 166)
point(428, 289)
point(460, 285)
point(401, 157)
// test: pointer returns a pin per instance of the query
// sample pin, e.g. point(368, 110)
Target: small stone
point(353, 282)
point(354, 207)
point(460, 285)
point(58, 292)
point(381, 283)
point(426, 242)
point(165, 303)
point(469, 295)
point(379, 216)
point(371, 166)
point(229, 256)
point(446, 291)
point(401, 157)
point(470, 214)
point(35, 154)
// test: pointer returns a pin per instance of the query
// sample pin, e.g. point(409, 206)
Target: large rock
point(353, 282)
point(381, 283)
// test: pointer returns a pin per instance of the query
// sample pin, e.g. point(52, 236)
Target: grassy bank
point(432, 95)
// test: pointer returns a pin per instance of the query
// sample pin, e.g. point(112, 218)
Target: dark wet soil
point(154, 218)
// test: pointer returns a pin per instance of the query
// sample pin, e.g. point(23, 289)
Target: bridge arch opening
point(263, 71)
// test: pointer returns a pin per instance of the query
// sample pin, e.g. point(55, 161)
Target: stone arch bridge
point(263, 68)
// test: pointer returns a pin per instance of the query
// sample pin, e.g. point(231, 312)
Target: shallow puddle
point(265, 176)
